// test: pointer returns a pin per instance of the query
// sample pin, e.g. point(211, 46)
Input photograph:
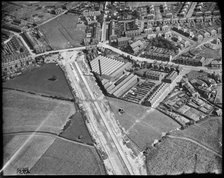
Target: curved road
point(196, 142)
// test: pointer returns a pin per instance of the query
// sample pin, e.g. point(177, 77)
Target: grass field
point(207, 132)
point(27, 112)
point(37, 81)
point(29, 154)
point(29, 10)
point(62, 32)
point(142, 126)
point(175, 156)
point(209, 53)
point(195, 74)
point(76, 129)
point(66, 158)
point(11, 144)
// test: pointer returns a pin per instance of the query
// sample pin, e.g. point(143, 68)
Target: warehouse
point(108, 65)
point(170, 77)
point(154, 75)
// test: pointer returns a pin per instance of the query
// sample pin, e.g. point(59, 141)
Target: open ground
point(176, 156)
point(62, 32)
point(30, 136)
point(207, 132)
point(66, 158)
point(37, 81)
point(140, 124)
point(25, 112)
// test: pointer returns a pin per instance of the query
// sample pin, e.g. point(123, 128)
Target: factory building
point(155, 75)
point(152, 99)
point(170, 77)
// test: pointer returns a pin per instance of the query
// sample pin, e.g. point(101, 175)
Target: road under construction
point(120, 159)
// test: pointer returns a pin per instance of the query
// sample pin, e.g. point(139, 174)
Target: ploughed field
point(48, 80)
point(141, 124)
point(62, 32)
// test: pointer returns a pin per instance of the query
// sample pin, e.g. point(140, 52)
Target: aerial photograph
point(111, 88)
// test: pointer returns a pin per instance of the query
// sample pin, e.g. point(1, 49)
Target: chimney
point(99, 67)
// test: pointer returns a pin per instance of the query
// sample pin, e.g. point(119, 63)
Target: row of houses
point(91, 13)
point(33, 43)
point(186, 60)
point(152, 74)
point(11, 27)
point(156, 56)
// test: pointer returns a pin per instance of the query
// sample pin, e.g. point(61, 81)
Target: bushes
point(163, 43)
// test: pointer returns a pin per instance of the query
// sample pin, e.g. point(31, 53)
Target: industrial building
point(152, 99)
point(108, 66)
point(121, 85)
point(138, 93)
point(170, 77)
point(155, 75)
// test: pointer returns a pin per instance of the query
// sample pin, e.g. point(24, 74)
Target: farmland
point(175, 156)
point(67, 158)
point(77, 130)
point(141, 125)
point(63, 32)
point(29, 153)
point(31, 125)
point(26, 112)
point(207, 132)
point(37, 81)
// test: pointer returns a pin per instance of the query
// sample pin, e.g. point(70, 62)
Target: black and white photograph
point(111, 88)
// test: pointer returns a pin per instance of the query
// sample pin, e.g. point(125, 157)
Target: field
point(210, 53)
point(31, 148)
point(62, 32)
point(76, 129)
point(195, 74)
point(67, 158)
point(141, 125)
point(175, 156)
point(29, 10)
point(207, 132)
point(27, 112)
point(37, 81)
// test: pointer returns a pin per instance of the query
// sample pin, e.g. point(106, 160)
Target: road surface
point(191, 9)
point(100, 121)
point(103, 35)
point(104, 45)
